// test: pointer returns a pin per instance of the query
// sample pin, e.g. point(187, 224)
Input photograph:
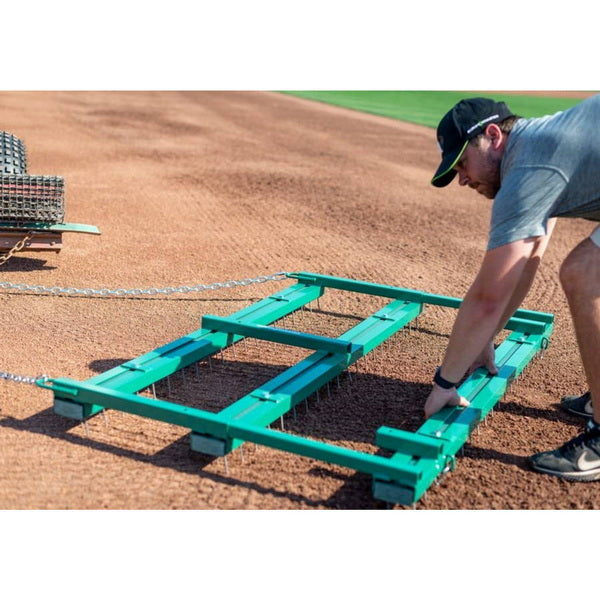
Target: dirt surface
point(202, 187)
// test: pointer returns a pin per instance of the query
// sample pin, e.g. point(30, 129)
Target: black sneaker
point(577, 460)
point(578, 405)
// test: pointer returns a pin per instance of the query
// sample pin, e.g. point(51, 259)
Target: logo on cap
point(441, 143)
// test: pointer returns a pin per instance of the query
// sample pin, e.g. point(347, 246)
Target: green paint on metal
point(418, 458)
point(56, 227)
point(279, 336)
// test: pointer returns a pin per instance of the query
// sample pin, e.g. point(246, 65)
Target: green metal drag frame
point(417, 458)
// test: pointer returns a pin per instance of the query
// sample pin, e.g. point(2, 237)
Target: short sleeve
point(524, 204)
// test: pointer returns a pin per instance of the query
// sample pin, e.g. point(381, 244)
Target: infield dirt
point(203, 187)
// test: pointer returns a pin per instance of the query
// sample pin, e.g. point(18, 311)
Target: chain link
point(16, 248)
point(71, 291)
point(23, 378)
point(121, 292)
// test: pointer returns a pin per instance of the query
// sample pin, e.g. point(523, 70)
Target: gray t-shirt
point(550, 168)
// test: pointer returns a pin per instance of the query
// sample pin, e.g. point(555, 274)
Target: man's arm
point(504, 278)
point(486, 359)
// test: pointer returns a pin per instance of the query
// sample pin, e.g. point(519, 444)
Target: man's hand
point(486, 359)
point(439, 397)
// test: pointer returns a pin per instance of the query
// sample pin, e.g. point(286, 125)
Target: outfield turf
point(426, 108)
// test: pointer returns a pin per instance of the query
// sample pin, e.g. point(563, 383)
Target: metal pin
point(210, 363)
point(242, 453)
point(86, 428)
point(226, 464)
point(318, 304)
point(245, 344)
point(234, 351)
point(318, 398)
point(196, 369)
point(183, 375)
point(153, 391)
point(294, 411)
point(105, 418)
point(281, 422)
point(222, 359)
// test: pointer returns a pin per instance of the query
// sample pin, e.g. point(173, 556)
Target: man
point(535, 170)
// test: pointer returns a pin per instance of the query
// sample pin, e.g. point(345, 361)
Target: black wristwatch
point(443, 383)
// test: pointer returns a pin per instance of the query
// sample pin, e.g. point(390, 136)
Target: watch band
point(443, 383)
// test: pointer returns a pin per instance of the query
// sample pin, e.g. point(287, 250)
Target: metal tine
point(153, 392)
point(226, 464)
point(183, 375)
point(197, 370)
point(86, 427)
point(242, 453)
point(105, 417)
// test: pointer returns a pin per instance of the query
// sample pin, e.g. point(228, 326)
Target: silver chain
point(184, 289)
point(121, 292)
point(23, 378)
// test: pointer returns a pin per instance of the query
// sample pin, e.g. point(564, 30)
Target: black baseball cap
point(462, 123)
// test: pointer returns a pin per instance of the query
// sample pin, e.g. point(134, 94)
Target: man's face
point(479, 168)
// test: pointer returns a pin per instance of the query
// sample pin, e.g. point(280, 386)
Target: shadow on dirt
point(348, 414)
point(18, 264)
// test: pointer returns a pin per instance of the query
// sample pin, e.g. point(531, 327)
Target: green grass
point(427, 108)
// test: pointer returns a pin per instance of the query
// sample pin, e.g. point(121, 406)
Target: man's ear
point(495, 135)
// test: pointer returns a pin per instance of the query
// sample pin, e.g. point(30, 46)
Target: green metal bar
point(387, 291)
point(196, 419)
point(276, 397)
point(56, 227)
point(141, 372)
point(418, 457)
point(277, 335)
point(84, 392)
point(450, 428)
point(360, 461)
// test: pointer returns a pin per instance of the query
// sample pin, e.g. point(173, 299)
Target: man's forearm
point(474, 327)
point(519, 295)
point(502, 283)
point(524, 285)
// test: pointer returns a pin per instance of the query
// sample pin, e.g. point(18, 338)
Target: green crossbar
point(280, 336)
point(417, 459)
point(52, 227)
